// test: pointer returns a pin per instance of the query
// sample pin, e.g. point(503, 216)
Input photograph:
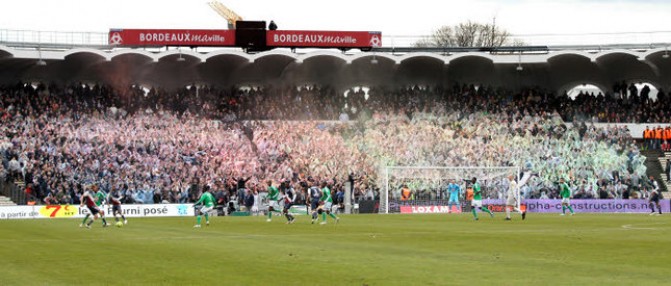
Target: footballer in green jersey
point(326, 203)
point(565, 193)
point(477, 200)
point(273, 198)
point(208, 203)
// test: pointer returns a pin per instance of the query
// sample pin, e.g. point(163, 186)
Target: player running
point(512, 200)
point(114, 198)
point(314, 196)
point(477, 200)
point(326, 202)
point(273, 198)
point(654, 197)
point(99, 199)
point(289, 198)
point(455, 192)
point(565, 193)
point(93, 210)
point(208, 202)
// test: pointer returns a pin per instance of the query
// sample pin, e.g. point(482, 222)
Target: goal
point(428, 186)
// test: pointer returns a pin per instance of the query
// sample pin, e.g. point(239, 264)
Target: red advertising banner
point(324, 39)
point(165, 37)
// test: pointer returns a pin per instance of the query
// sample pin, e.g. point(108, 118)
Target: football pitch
point(586, 249)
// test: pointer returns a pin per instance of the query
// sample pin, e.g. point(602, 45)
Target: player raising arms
point(273, 198)
point(99, 198)
point(289, 198)
point(477, 200)
point(326, 204)
point(455, 192)
point(565, 193)
point(114, 198)
point(88, 200)
point(207, 200)
point(511, 202)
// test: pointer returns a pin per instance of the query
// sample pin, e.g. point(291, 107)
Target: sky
point(416, 17)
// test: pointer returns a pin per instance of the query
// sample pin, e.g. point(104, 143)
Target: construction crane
point(223, 11)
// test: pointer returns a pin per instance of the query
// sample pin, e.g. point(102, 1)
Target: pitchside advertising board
point(74, 211)
point(550, 206)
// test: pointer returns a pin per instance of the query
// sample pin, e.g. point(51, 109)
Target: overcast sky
point(414, 17)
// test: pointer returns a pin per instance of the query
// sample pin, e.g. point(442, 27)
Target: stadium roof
point(557, 70)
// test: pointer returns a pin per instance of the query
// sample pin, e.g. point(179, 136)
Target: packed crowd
point(624, 104)
point(584, 155)
point(158, 146)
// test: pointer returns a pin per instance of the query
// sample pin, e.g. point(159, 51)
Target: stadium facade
point(556, 70)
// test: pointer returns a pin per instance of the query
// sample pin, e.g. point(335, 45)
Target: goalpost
point(429, 184)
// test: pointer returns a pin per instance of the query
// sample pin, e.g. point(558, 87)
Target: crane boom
point(223, 11)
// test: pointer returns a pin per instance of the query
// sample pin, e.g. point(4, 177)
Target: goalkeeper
point(455, 192)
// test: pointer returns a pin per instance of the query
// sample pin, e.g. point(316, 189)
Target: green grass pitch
point(586, 249)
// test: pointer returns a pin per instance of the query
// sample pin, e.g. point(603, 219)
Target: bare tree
point(469, 34)
point(466, 34)
point(443, 37)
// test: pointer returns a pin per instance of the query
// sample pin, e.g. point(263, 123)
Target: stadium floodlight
point(180, 58)
point(519, 63)
point(40, 61)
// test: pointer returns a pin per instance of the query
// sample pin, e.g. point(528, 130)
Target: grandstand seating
point(166, 146)
point(5, 201)
point(665, 181)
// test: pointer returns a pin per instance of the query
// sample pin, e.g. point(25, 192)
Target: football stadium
point(251, 154)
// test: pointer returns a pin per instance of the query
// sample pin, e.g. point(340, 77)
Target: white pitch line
point(209, 235)
point(98, 239)
point(632, 227)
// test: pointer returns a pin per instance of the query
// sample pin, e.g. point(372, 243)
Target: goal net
point(427, 186)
